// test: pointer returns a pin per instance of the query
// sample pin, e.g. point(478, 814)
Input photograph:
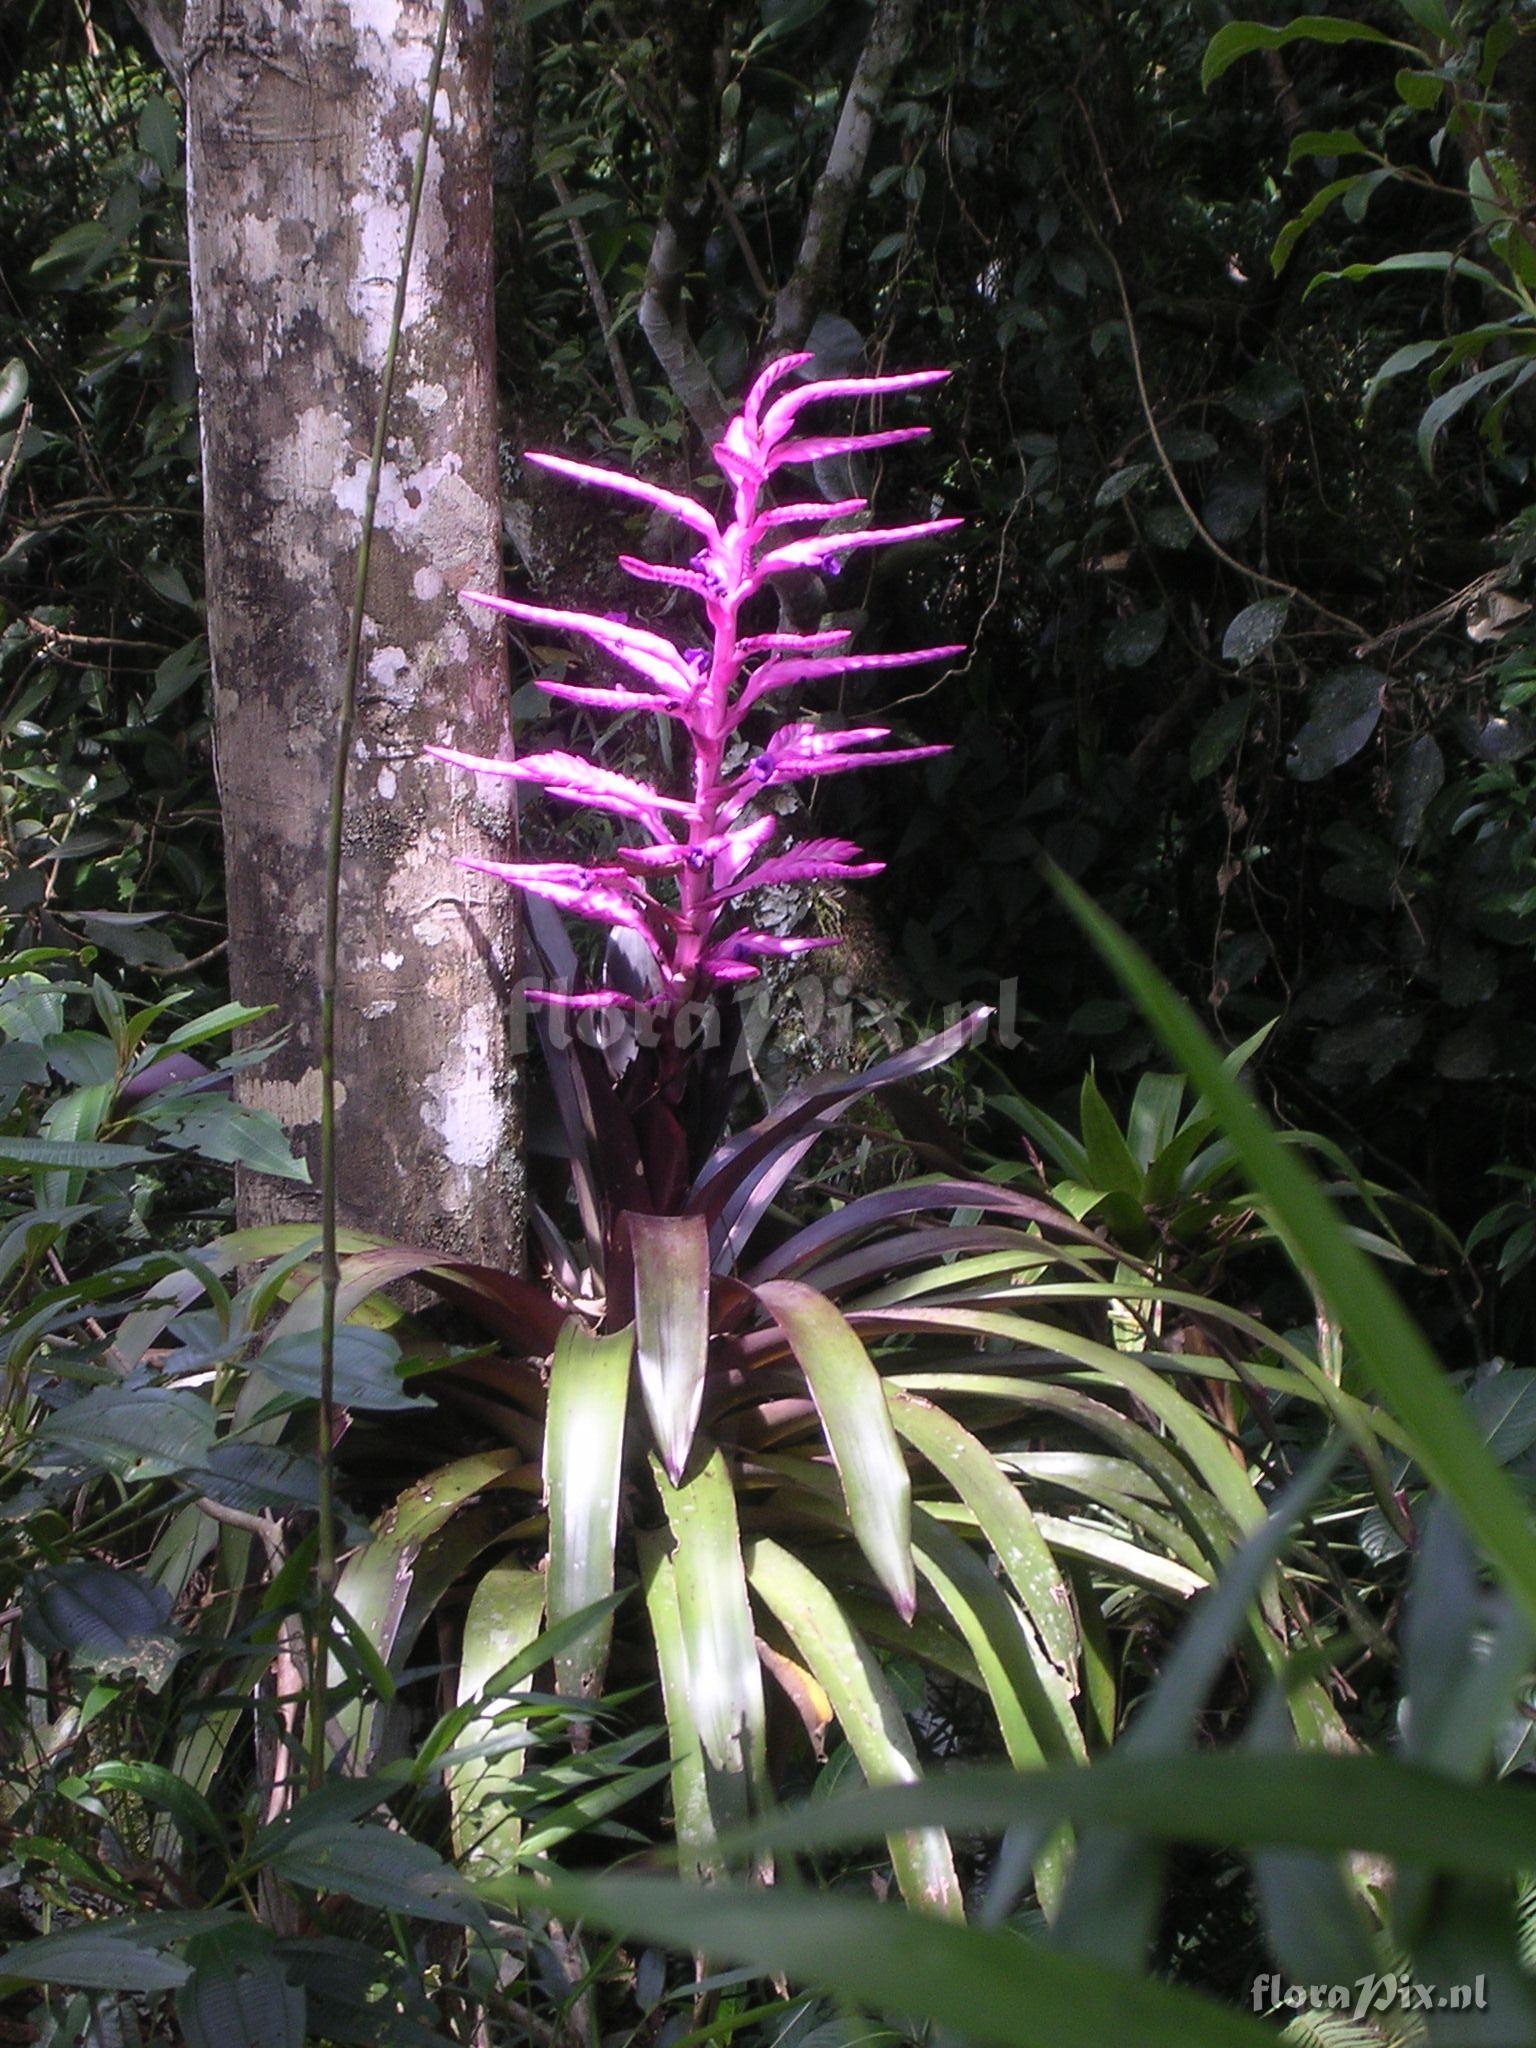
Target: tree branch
point(665, 326)
point(161, 22)
point(826, 222)
point(598, 295)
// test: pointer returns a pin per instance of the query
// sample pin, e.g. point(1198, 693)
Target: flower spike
point(706, 852)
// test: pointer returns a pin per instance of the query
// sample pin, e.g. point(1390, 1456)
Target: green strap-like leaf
point(583, 1443)
point(671, 1327)
point(866, 1710)
point(376, 1581)
point(850, 1400)
point(505, 1613)
point(724, 1678)
point(1230, 1798)
point(693, 1817)
point(990, 1987)
point(1001, 1514)
point(1032, 1711)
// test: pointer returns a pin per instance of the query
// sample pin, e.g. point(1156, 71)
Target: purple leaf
point(671, 1260)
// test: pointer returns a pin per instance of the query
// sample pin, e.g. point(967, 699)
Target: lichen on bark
point(302, 129)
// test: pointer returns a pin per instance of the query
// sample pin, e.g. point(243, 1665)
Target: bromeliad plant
point(812, 1498)
point(936, 1423)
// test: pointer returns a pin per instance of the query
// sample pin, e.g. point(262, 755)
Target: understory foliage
point(1008, 1394)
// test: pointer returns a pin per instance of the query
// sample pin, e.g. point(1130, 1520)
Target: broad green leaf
point(381, 1867)
point(93, 1960)
point(866, 1711)
point(157, 1786)
point(1418, 776)
point(238, 1995)
point(583, 1444)
point(1237, 39)
point(851, 1403)
point(106, 1618)
point(1219, 734)
point(1120, 484)
point(1110, 1164)
point(505, 1613)
point(1390, 1350)
point(13, 387)
point(671, 1256)
point(1419, 89)
point(1132, 642)
point(364, 1368)
point(1440, 261)
point(257, 1478)
point(1309, 215)
point(231, 1134)
point(227, 1017)
point(1437, 416)
point(90, 1158)
point(1154, 1117)
point(1255, 628)
point(139, 1432)
point(1343, 709)
point(995, 1988)
point(1324, 142)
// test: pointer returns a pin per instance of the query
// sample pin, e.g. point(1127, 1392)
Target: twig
point(197, 960)
point(1437, 614)
point(97, 1330)
point(56, 633)
point(826, 220)
point(14, 455)
point(1165, 462)
point(598, 295)
point(665, 327)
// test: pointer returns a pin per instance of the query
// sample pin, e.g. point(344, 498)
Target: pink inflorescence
point(708, 846)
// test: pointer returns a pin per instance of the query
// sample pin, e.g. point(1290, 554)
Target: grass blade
point(1391, 1350)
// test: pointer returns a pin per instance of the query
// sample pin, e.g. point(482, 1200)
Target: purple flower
point(708, 850)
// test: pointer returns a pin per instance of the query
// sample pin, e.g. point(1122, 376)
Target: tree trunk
point(303, 125)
